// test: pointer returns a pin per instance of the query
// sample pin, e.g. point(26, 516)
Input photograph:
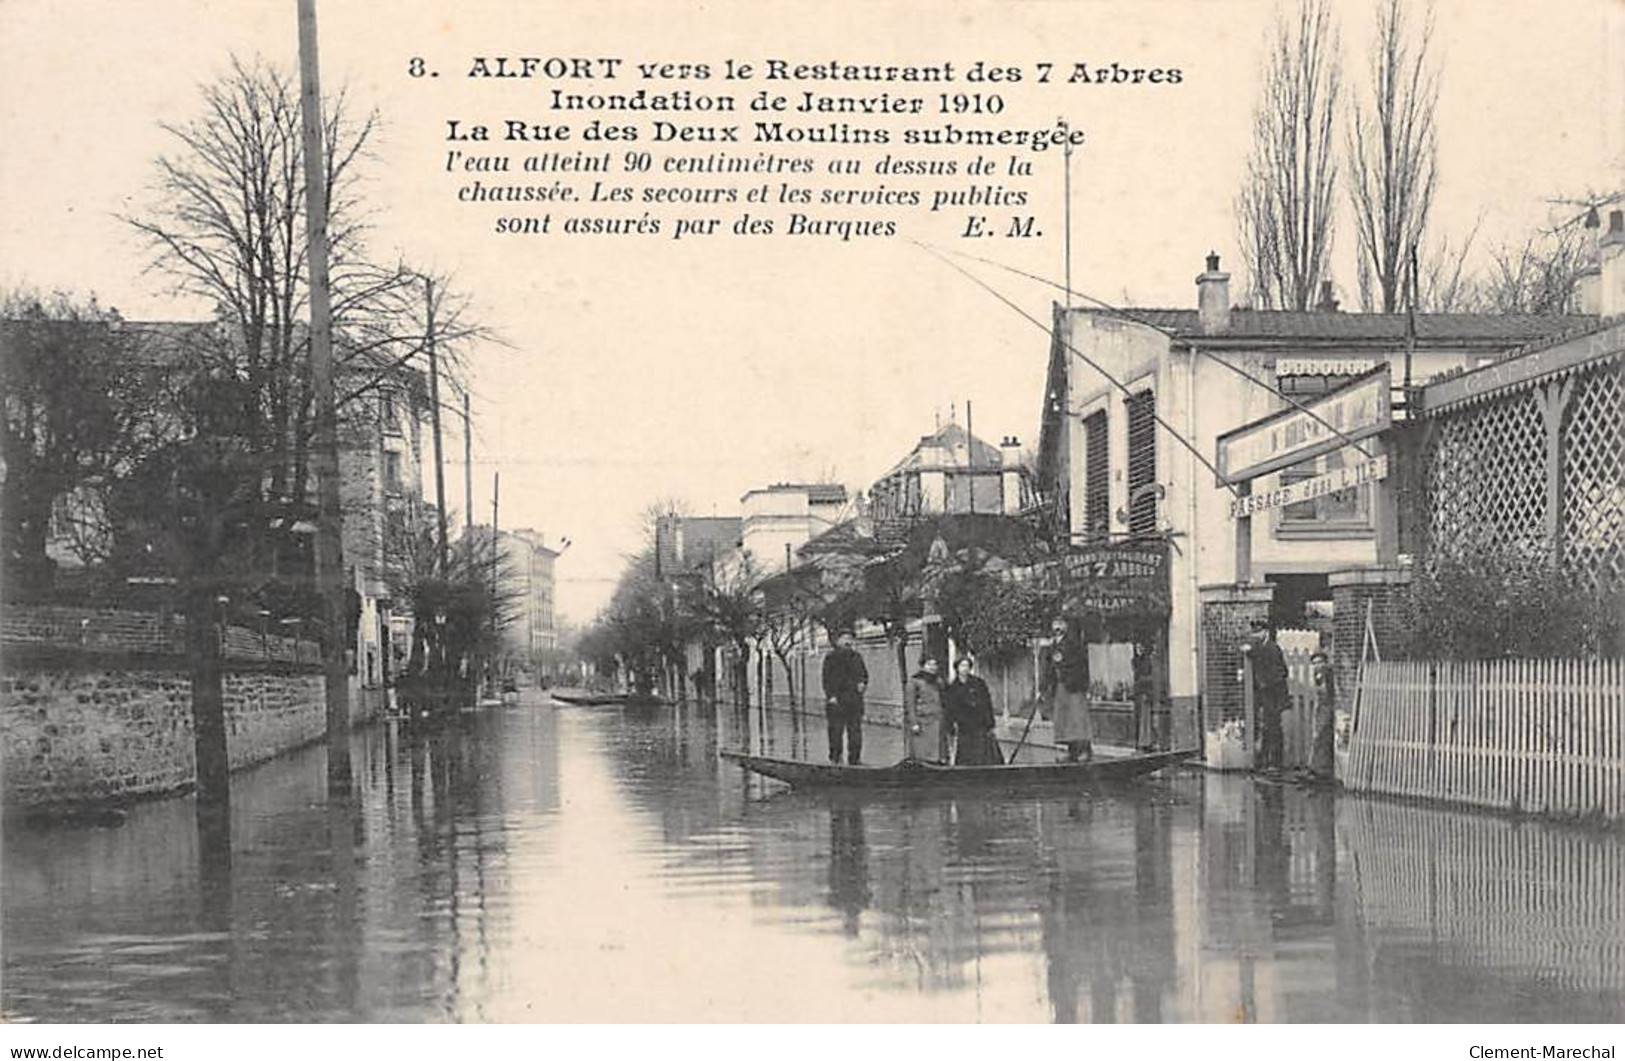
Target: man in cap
point(845, 679)
point(1269, 695)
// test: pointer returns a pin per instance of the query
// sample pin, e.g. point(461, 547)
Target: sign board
point(1523, 369)
point(1324, 366)
point(1357, 410)
point(1309, 489)
point(1115, 578)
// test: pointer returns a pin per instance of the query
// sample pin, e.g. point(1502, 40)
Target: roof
point(1499, 329)
point(817, 493)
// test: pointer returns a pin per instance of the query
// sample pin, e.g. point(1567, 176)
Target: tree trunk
point(208, 700)
point(789, 678)
point(27, 529)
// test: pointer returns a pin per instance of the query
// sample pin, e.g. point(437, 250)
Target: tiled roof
point(951, 437)
point(1503, 328)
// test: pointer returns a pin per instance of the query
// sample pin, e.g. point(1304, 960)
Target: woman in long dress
point(923, 734)
point(1066, 682)
point(968, 706)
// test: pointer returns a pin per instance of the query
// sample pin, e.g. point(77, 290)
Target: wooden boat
point(913, 774)
point(585, 699)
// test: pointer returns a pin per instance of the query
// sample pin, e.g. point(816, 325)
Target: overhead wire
point(1197, 347)
point(1080, 355)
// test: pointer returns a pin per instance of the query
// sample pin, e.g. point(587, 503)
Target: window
point(1342, 510)
point(387, 413)
point(392, 471)
point(1142, 462)
point(1096, 471)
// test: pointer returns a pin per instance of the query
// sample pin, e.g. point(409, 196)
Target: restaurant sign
point(1356, 410)
point(1308, 489)
point(1115, 578)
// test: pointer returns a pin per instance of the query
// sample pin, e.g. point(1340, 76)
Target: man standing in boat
point(1066, 683)
point(845, 679)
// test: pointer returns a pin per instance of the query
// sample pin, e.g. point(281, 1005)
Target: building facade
point(1137, 400)
point(951, 471)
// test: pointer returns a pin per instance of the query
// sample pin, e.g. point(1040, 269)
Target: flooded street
point(547, 863)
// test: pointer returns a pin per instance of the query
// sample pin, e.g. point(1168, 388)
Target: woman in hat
point(1066, 683)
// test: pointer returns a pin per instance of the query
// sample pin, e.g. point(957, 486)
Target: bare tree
point(1284, 210)
point(1443, 283)
point(1393, 149)
point(227, 224)
point(1539, 275)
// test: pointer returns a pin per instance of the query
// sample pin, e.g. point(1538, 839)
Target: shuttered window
point(1142, 462)
point(1096, 471)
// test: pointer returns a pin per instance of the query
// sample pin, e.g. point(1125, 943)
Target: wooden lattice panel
point(1486, 479)
point(1594, 476)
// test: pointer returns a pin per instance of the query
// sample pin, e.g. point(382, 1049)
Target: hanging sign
point(1308, 489)
point(1115, 578)
point(1356, 410)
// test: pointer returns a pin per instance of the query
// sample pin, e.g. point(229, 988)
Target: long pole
point(1066, 214)
point(970, 456)
point(329, 540)
point(434, 413)
point(496, 489)
point(468, 466)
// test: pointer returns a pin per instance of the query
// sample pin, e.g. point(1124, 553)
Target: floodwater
point(549, 863)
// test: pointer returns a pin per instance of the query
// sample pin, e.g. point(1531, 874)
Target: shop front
point(1119, 592)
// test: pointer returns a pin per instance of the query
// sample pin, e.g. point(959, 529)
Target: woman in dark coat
point(969, 709)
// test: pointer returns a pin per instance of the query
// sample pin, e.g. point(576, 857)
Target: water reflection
point(556, 864)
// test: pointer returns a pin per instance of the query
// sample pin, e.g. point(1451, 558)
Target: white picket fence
point(1541, 736)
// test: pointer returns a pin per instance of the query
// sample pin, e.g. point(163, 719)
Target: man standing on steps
point(845, 679)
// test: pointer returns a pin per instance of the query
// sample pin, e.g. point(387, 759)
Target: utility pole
point(970, 456)
point(468, 466)
point(496, 488)
point(1066, 212)
point(434, 412)
point(329, 539)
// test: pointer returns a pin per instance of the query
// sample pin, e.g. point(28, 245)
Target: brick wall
point(1228, 612)
point(1385, 592)
point(96, 705)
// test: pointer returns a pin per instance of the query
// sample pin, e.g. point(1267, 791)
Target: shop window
point(1341, 511)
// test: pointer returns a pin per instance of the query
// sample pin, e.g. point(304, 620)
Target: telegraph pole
point(468, 466)
point(434, 412)
point(329, 539)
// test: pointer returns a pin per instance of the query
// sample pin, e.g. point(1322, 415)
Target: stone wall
point(96, 704)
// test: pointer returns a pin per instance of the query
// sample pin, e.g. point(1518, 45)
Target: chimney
point(1611, 253)
point(1010, 479)
point(1327, 304)
point(1213, 298)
